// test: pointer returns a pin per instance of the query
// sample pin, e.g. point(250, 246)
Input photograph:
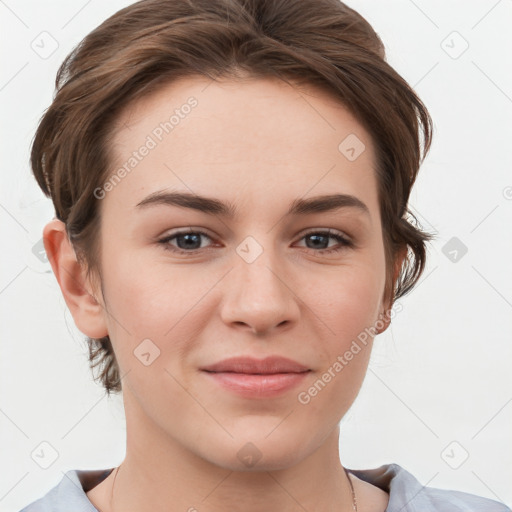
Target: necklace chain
point(354, 501)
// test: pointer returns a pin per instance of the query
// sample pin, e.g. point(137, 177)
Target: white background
point(440, 374)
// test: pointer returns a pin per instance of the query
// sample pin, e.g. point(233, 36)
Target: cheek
point(347, 312)
point(150, 294)
point(349, 302)
point(152, 301)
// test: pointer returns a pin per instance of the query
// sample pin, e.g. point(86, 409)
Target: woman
point(256, 130)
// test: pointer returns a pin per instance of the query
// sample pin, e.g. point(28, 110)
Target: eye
point(320, 237)
point(189, 241)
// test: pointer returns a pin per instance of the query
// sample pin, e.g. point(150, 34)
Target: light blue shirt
point(406, 494)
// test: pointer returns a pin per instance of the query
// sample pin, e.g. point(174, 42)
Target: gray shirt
point(406, 494)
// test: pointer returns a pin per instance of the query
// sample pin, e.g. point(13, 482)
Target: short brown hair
point(153, 42)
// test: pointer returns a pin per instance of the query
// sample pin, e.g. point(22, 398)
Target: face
point(271, 267)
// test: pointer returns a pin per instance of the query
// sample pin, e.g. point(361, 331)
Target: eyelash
point(345, 242)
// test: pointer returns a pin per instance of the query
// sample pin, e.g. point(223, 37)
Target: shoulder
point(407, 494)
point(69, 493)
point(458, 501)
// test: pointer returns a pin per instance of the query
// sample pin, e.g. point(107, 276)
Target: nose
point(259, 296)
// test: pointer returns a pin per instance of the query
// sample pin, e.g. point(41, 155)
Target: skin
point(259, 144)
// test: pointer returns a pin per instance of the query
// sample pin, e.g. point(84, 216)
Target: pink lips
point(271, 364)
point(255, 378)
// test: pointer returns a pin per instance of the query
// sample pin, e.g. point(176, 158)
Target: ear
point(387, 301)
point(87, 311)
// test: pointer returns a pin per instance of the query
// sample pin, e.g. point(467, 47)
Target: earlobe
point(87, 310)
point(385, 314)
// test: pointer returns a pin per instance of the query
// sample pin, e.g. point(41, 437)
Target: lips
point(250, 365)
point(257, 378)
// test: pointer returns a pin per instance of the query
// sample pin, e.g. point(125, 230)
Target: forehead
point(224, 137)
point(257, 106)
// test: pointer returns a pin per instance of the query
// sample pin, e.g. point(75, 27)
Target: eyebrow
point(212, 206)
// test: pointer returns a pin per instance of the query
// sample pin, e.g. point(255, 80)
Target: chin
point(268, 462)
point(257, 452)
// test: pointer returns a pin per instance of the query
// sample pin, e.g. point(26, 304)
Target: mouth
point(250, 366)
point(257, 378)
point(255, 373)
point(254, 385)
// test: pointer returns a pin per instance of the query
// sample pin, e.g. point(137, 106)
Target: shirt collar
point(405, 492)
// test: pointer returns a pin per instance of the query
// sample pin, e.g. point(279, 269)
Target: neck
point(158, 472)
